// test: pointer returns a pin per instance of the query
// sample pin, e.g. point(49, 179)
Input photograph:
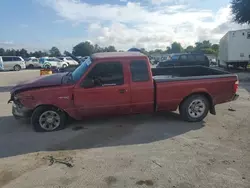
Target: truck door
point(110, 93)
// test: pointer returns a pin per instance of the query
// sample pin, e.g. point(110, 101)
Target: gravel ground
point(156, 150)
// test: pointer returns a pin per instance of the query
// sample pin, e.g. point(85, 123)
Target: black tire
point(17, 68)
point(47, 66)
point(42, 109)
point(184, 108)
point(64, 66)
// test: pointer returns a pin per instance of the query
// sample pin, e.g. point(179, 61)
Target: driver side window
point(105, 74)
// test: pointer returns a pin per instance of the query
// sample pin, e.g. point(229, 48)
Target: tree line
point(86, 49)
point(81, 49)
point(205, 47)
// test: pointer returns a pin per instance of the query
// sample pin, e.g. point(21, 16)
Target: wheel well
point(50, 106)
point(208, 97)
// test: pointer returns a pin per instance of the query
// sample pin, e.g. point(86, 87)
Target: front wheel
point(195, 108)
point(47, 119)
point(64, 66)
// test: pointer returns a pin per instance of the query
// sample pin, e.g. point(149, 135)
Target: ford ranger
point(117, 83)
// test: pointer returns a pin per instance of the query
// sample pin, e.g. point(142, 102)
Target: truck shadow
point(17, 139)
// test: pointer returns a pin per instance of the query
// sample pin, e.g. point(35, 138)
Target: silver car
point(15, 63)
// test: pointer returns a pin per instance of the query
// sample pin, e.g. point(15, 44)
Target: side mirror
point(88, 83)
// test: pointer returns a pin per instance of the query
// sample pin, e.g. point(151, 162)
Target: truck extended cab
point(117, 83)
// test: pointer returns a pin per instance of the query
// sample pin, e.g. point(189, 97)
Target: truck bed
point(173, 84)
point(187, 73)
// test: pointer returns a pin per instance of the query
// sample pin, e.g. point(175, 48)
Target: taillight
point(236, 86)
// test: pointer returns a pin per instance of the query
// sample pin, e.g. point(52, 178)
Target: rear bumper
point(235, 97)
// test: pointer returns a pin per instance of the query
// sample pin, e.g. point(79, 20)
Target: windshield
point(79, 71)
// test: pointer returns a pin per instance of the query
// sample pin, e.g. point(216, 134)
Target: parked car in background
point(32, 63)
point(185, 59)
point(69, 60)
point(15, 63)
point(49, 62)
point(117, 83)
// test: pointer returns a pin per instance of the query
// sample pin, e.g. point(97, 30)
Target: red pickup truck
point(121, 83)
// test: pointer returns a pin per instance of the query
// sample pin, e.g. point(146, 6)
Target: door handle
point(122, 90)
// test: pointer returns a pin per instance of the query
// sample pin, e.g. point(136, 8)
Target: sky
point(150, 24)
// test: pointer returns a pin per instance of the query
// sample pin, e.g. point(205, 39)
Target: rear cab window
point(139, 71)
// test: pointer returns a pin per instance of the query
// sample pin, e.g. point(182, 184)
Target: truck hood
point(39, 82)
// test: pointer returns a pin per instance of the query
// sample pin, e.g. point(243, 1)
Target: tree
point(208, 51)
point(54, 52)
point(240, 10)
point(83, 49)
point(206, 44)
point(110, 49)
point(198, 46)
point(65, 53)
point(215, 48)
point(97, 49)
point(143, 50)
point(176, 47)
point(23, 53)
point(169, 50)
point(2, 51)
point(189, 49)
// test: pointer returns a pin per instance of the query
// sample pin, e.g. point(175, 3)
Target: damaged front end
point(18, 109)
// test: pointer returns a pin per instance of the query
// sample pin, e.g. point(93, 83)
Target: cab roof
point(111, 55)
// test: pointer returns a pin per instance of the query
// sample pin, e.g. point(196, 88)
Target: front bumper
point(235, 97)
point(20, 112)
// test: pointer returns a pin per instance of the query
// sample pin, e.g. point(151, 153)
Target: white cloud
point(6, 42)
point(138, 25)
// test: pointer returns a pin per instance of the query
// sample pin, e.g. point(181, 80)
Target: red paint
point(138, 97)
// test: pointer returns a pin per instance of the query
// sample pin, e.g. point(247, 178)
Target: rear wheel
point(17, 68)
point(195, 108)
point(47, 119)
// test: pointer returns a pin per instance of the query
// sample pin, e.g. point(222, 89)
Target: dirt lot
point(156, 150)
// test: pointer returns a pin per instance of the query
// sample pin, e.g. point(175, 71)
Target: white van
point(15, 63)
